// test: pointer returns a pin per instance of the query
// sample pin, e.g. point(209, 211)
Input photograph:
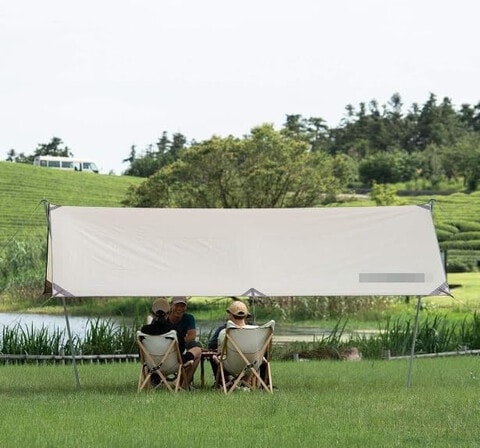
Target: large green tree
point(263, 169)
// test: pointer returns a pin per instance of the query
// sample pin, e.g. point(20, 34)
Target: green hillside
point(23, 187)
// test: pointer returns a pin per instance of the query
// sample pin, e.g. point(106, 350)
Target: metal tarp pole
point(69, 332)
point(415, 328)
point(70, 341)
point(412, 352)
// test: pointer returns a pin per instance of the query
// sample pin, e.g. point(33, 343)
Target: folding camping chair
point(161, 360)
point(243, 351)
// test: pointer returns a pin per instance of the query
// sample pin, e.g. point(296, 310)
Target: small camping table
point(206, 354)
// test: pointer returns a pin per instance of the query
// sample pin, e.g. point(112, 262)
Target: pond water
point(79, 325)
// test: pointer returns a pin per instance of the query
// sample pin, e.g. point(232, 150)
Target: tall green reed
point(435, 335)
point(32, 341)
point(469, 332)
point(101, 337)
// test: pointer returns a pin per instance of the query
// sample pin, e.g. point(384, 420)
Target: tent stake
point(412, 352)
point(70, 341)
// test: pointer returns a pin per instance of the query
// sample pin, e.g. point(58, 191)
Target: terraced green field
point(457, 222)
point(23, 187)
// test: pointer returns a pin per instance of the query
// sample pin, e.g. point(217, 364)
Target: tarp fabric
point(347, 251)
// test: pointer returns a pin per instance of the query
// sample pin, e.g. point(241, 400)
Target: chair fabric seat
point(161, 361)
point(243, 351)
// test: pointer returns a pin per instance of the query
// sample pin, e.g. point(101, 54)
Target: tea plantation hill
point(22, 187)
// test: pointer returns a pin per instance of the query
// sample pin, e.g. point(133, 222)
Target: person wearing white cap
point(158, 324)
point(161, 325)
point(185, 325)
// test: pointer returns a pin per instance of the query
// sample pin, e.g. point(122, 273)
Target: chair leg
point(222, 377)
point(237, 381)
point(143, 378)
point(260, 382)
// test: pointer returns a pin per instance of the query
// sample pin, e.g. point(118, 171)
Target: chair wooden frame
point(160, 354)
point(243, 351)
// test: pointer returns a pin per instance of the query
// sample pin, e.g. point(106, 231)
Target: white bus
point(66, 163)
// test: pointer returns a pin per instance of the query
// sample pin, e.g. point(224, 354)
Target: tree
point(370, 129)
point(345, 170)
point(164, 152)
point(437, 124)
point(132, 156)
point(11, 155)
point(313, 130)
point(470, 117)
point(463, 159)
point(383, 168)
point(55, 147)
point(432, 165)
point(383, 194)
point(263, 169)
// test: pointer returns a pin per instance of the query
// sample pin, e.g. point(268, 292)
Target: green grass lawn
point(318, 404)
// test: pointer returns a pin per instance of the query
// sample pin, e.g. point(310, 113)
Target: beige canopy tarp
point(97, 251)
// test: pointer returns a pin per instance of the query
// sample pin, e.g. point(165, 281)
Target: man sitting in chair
point(237, 313)
point(184, 324)
point(161, 325)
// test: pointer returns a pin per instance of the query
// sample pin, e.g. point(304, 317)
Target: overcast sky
point(104, 75)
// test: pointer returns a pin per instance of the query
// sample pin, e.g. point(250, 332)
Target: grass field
point(22, 187)
point(318, 404)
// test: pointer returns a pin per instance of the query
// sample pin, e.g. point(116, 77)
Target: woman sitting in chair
point(161, 325)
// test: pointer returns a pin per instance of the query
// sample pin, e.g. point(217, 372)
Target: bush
point(22, 268)
point(461, 265)
point(468, 226)
point(444, 235)
point(471, 235)
point(461, 244)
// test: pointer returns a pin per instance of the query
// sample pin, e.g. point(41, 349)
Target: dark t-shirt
point(213, 341)
point(187, 322)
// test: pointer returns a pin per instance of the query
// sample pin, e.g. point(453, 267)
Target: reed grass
point(317, 404)
point(436, 334)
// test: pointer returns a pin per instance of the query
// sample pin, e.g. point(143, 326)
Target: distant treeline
point(425, 145)
point(373, 143)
